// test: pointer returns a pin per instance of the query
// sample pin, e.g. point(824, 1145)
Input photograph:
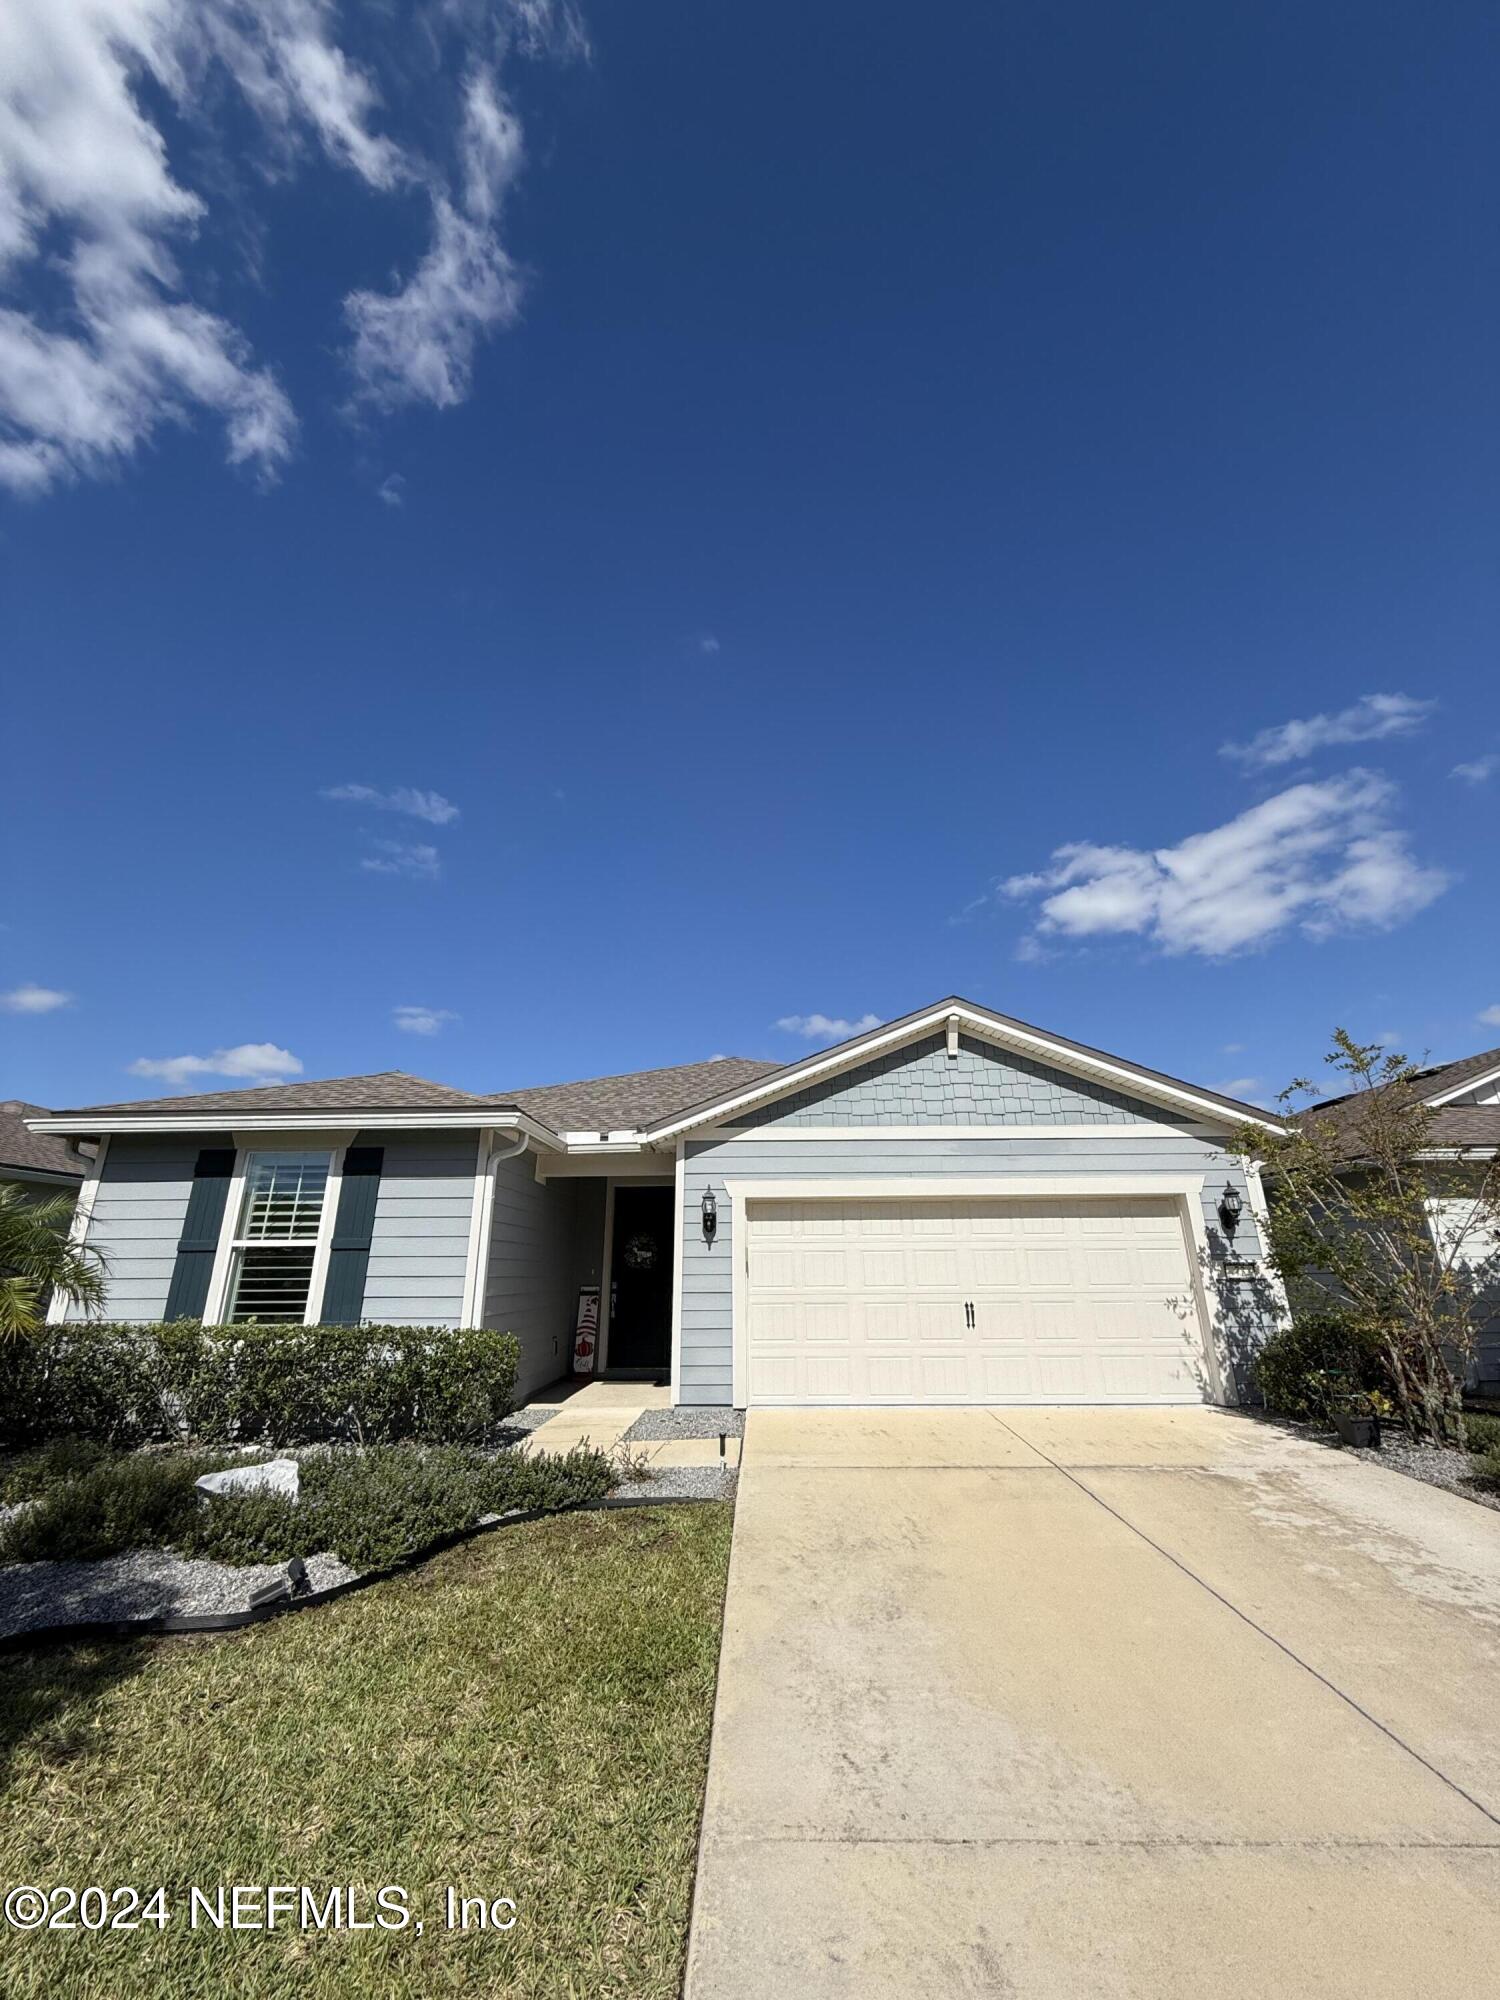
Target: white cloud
point(1322, 856)
point(422, 1020)
point(34, 1000)
point(247, 1062)
point(1490, 1016)
point(1367, 720)
point(392, 490)
point(431, 806)
point(1237, 1086)
point(416, 344)
point(1233, 1049)
point(1479, 772)
point(708, 643)
point(825, 1027)
point(414, 859)
point(97, 214)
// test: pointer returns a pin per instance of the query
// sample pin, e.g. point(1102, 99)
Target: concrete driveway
point(1094, 1703)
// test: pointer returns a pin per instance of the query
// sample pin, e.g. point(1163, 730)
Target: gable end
point(919, 1083)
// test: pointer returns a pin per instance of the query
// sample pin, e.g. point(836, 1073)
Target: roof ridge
point(658, 1069)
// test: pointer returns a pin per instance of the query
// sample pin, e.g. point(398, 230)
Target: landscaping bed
point(527, 1715)
point(94, 1535)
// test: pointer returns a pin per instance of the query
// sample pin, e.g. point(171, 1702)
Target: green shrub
point(369, 1507)
point(128, 1385)
point(142, 1501)
point(1487, 1468)
point(31, 1473)
point(1482, 1435)
point(1303, 1369)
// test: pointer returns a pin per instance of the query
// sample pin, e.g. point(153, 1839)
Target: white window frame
point(221, 1281)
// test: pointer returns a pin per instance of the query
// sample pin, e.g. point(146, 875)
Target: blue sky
point(765, 515)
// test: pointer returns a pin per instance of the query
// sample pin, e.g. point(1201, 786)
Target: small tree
point(1366, 1223)
point(38, 1258)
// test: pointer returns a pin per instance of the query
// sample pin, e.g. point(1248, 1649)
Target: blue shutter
point(199, 1243)
point(349, 1254)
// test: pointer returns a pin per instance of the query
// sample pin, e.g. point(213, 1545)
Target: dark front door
point(640, 1298)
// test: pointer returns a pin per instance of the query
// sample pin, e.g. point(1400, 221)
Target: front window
point(276, 1235)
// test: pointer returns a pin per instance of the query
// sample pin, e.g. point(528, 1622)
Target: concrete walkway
point(1078, 1705)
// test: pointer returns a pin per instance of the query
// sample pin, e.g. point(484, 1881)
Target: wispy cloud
point(1236, 1086)
point(392, 490)
point(248, 1062)
point(414, 859)
point(1367, 720)
point(408, 799)
point(422, 1020)
point(34, 1000)
point(1477, 772)
point(1490, 1016)
point(106, 106)
point(708, 643)
point(1322, 857)
point(826, 1027)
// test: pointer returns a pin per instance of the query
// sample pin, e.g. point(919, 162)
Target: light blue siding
point(139, 1206)
point(419, 1245)
point(530, 1288)
point(921, 1084)
point(707, 1272)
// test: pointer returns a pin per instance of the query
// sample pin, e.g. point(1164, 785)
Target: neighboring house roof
point(24, 1154)
point(638, 1097)
point(389, 1090)
point(1453, 1126)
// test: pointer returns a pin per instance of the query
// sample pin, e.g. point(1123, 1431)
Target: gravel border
point(682, 1482)
point(148, 1583)
point(704, 1421)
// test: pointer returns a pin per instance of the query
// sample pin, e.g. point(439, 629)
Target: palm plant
point(39, 1260)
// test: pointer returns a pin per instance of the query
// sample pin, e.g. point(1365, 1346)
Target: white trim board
point(1107, 1070)
point(168, 1124)
point(1462, 1089)
point(1186, 1190)
point(78, 1227)
point(723, 1134)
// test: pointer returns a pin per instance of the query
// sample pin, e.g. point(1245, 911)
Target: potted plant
point(1357, 1422)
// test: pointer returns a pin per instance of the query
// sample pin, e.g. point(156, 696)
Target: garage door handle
point(968, 1312)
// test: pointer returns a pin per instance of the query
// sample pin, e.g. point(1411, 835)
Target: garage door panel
point(865, 1302)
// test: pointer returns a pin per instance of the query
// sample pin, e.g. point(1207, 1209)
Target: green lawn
point(526, 1716)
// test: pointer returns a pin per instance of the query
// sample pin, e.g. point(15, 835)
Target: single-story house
point(953, 1208)
point(42, 1166)
point(1463, 1098)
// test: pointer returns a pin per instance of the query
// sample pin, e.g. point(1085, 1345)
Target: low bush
point(129, 1385)
point(141, 1501)
point(31, 1473)
point(1304, 1369)
point(369, 1507)
point(1482, 1436)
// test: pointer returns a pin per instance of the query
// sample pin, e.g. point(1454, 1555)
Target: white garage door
point(1045, 1301)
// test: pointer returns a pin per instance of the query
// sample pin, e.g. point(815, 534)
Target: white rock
point(273, 1475)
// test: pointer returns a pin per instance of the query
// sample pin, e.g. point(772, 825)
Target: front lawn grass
point(525, 1716)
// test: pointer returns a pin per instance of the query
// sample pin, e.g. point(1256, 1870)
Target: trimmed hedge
point(1303, 1369)
point(368, 1507)
point(127, 1385)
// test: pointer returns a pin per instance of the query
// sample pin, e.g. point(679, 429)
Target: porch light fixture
point(1231, 1206)
point(710, 1216)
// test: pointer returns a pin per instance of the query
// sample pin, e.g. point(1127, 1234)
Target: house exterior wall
point(921, 1084)
point(418, 1244)
point(706, 1306)
point(542, 1236)
point(139, 1205)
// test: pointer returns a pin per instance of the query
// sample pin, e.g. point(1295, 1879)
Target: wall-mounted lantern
point(710, 1216)
point(1231, 1207)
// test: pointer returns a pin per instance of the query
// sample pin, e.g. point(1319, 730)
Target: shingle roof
point(1453, 1125)
point(389, 1090)
point(33, 1152)
point(639, 1097)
